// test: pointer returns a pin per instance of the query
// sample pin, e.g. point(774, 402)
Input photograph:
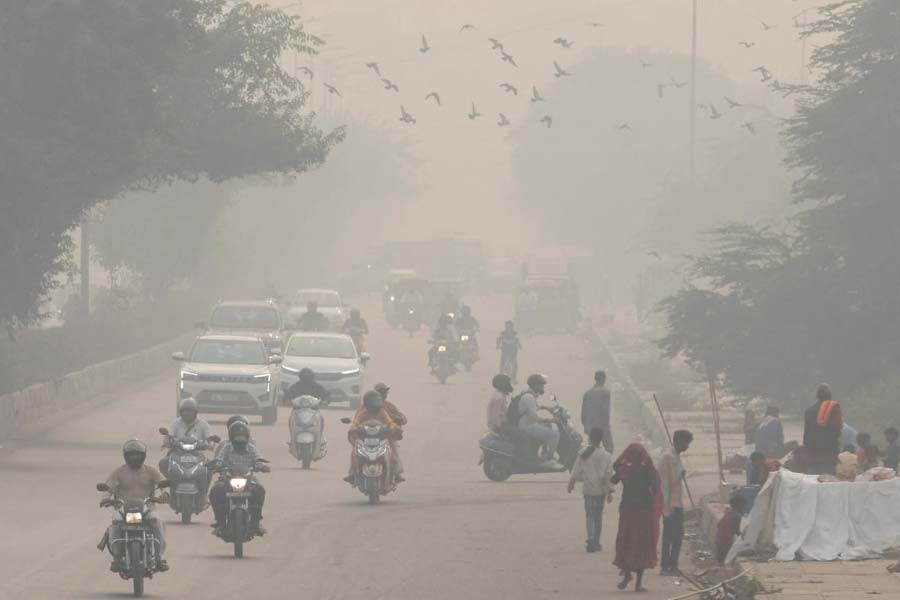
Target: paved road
point(447, 532)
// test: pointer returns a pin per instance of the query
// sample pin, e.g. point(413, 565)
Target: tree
point(103, 96)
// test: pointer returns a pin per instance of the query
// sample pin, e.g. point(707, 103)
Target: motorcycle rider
point(446, 333)
point(238, 451)
point(356, 327)
point(508, 344)
point(372, 410)
point(307, 385)
point(540, 429)
point(312, 319)
point(499, 402)
point(186, 425)
point(467, 324)
point(400, 419)
point(233, 419)
point(134, 481)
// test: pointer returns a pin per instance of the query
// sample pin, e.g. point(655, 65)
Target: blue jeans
point(593, 512)
point(546, 434)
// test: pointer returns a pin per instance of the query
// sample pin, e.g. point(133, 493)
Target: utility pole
point(86, 265)
point(693, 120)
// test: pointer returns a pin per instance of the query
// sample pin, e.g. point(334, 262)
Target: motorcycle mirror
point(102, 487)
point(163, 484)
point(163, 431)
point(346, 420)
point(215, 439)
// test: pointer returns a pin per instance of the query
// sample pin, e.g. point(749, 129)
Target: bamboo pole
point(662, 418)
point(714, 401)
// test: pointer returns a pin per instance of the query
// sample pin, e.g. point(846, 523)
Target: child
point(872, 458)
point(728, 528)
point(863, 440)
point(892, 450)
point(594, 469)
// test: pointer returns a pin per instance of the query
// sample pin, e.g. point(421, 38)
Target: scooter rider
point(466, 323)
point(312, 319)
point(372, 410)
point(445, 332)
point(186, 425)
point(356, 323)
point(134, 481)
point(540, 429)
point(238, 451)
point(307, 385)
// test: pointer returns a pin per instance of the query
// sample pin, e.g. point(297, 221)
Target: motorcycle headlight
point(188, 447)
point(464, 338)
point(392, 298)
point(442, 348)
point(134, 518)
point(238, 484)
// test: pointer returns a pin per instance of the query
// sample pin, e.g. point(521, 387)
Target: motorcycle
point(238, 480)
point(412, 320)
point(374, 475)
point(443, 364)
point(188, 476)
point(511, 452)
point(468, 350)
point(141, 547)
point(305, 426)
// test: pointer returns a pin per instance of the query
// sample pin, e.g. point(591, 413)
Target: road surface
point(447, 533)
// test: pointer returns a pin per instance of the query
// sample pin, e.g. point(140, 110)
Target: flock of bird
point(559, 72)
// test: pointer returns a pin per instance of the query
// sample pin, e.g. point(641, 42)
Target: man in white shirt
point(540, 429)
point(594, 469)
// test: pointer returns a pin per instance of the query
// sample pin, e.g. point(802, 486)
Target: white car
point(330, 305)
point(230, 374)
point(333, 358)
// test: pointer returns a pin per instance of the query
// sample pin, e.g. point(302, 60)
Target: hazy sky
point(465, 163)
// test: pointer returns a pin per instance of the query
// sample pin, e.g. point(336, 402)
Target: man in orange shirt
point(372, 410)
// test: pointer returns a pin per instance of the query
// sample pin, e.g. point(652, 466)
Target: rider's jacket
point(469, 324)
point(127, 484)
point(356, 324)
point(382, 417)
point(313, 321)
point(199, 429)
point(393, 412)
point(230, 456)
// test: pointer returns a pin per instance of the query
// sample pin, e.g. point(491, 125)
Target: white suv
point(333, 359)
point(230, 374)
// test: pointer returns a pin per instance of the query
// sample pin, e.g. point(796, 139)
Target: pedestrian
point(769, 436)
point(892, 449)
point(822, 426)
point(671, 476)
point(595, 409)
point(639, 512)
point(729, 527)
point(593, 468)
point(863, 441)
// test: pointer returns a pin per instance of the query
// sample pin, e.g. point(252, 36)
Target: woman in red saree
point(639, 513)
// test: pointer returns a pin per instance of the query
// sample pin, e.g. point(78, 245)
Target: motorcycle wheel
point(374, 497)
point(186, 515)
point(306, 455)
point(239, 531)
point(495, 470)
point(136, 553)
point(442, 377)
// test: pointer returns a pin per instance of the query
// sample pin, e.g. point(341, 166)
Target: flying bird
point(563, 42)
point(425, 47)
point(508, 87)
point(713, 112)
point(560, 72)
point(623, 127)
point(548, 120)
point(307, 71)
point(645, 64)
point(508, 58)
point(503, 122)
point(749, 127)
point(436, 96)
point(474, 114)
point(390, 85)
point(466, 26)
point(374, 67)
point(536, 95)
point(766, 26)
point(406, 117)
point(660, 89)
point(678, 84)
point(763, 72)
point(747, 44)
point(496, 44)
point(333, 90)
point(732, 103)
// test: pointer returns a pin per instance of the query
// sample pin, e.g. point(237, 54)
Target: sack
point(512, 411)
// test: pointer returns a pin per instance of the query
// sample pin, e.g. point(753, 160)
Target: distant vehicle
point(338, 367)
point(328, 301)
point(547, 303)
point(230, 374)
point(256, 318)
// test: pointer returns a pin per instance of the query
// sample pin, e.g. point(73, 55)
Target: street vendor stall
point(799, 516)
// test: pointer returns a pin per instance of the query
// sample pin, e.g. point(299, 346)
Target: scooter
point(139, 558)
point(238, 481)
point(305, 426)
point(468, 350)
point(374, 475)
point(188, 476)
point(510, 452)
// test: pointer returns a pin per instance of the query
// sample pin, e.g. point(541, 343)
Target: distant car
point(255, 318)
point(230, 374)
point(339, 368)
point(330, 305)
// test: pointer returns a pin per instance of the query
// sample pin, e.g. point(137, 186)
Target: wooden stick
point(714, 400)
point(662, 417)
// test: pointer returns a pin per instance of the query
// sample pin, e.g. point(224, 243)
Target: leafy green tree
point(103, 96)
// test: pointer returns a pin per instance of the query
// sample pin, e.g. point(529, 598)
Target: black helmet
point(537, 382)
point(502, 383)
point(373, 399)
point(466, 310)
point(306, 373)
point(188, 404)
point(234, 419)
point(135, 452)
point(238, 430)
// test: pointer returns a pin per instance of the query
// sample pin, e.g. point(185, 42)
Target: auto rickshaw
point(548, 304)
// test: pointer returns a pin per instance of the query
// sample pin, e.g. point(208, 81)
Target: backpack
point(512, 411)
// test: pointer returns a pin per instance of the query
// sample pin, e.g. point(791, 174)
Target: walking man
point(595, 410)
point(593, 468)
point(671, 476)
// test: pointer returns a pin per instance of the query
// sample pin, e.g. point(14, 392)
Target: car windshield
point(323, 299)
point(321, 347)
point(245, 317)
point(228, 352)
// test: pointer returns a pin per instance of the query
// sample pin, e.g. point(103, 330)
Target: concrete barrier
point(27, 406)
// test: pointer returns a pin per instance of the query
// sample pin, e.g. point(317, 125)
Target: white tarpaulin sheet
point(795, 515)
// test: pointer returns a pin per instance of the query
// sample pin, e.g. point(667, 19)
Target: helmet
point(373, 400)
point(237, 429)
point(306, 373)
point(502, 383)
point(466, 310)
point(509, 324)
point(234, 419)
point(537, 381)
point(354, 312)
point(134, 445)
point(135, 452)
point(188, 404)
point(382, 388)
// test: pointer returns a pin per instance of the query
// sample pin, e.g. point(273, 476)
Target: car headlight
point(464, 338)
point(442, 348)
point(189, 375)
point(351, 372)
point(392, 298)
point(134, 518)
point(238, 483)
